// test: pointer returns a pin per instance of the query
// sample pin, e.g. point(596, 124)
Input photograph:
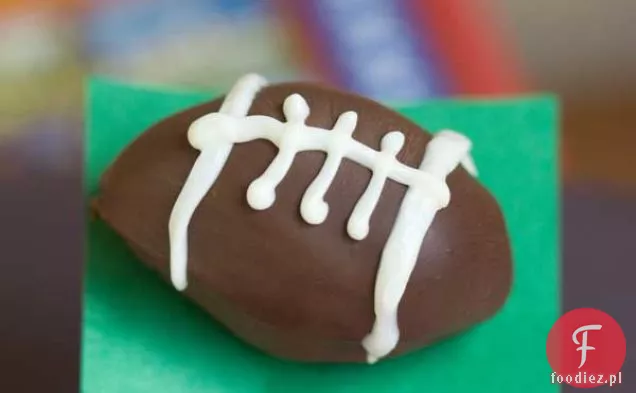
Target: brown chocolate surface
point(296, 290)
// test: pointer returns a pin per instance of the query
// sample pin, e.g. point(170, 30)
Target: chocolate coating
point(292, 289)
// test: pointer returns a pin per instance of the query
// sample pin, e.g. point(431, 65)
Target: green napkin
point(140, 335)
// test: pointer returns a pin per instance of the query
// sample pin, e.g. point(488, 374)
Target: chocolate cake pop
point(315, 224)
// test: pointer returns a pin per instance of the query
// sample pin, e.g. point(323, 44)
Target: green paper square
point(139, 335)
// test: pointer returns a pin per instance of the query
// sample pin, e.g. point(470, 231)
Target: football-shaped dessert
point(315, 224)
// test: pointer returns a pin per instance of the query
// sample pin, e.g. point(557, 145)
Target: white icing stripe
point(216, 133)
point(203, 175)
point(358, 225)
point(313, 207)
point(402, 249)
point(239, 100)
point(262, 192)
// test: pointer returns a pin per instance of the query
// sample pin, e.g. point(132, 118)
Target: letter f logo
point(583, 344)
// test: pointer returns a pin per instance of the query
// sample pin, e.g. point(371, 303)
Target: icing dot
point(346, 123)
point(314, 211)
point(260, 194)
point(197, 134)
point(295, 108)
point(358, 230)
point(392, 142)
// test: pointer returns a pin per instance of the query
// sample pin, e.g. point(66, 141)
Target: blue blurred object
point(376, 50)
point(190, 42)
point(124, 28)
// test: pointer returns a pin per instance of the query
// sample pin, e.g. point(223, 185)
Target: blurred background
point(393, 50)
point(389, 49)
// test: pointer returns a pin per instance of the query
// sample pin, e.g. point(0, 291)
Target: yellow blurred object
point(39, 66)
point(23, 98)
point(11, 5)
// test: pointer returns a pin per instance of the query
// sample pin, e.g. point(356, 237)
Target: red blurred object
point(466, 35)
